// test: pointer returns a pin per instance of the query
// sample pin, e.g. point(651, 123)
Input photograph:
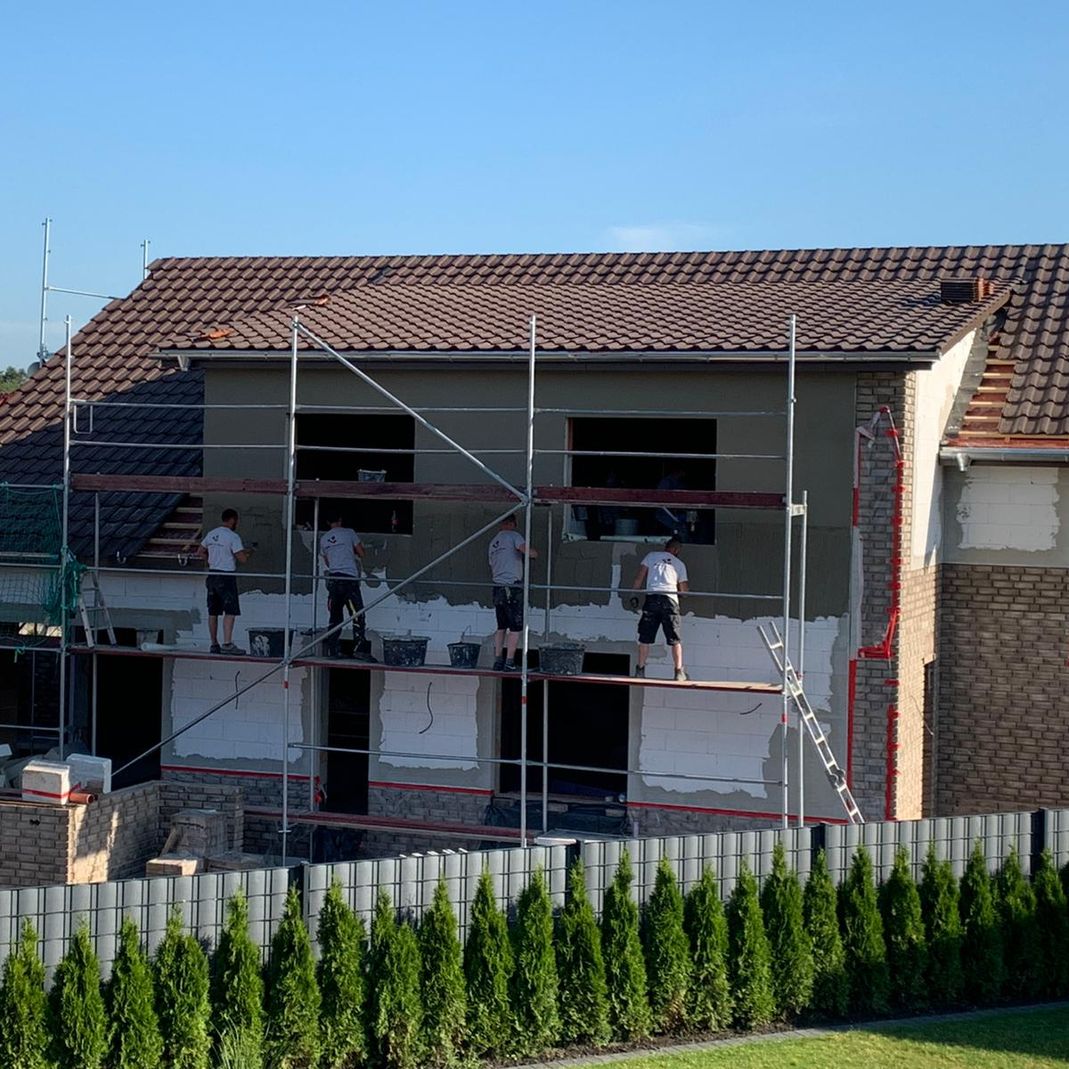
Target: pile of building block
point(198, 842)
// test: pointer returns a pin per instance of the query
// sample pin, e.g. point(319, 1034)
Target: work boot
point(214, 648)
point(681, 675)
point(640, 671)
point(231, 650)
point(499, 664)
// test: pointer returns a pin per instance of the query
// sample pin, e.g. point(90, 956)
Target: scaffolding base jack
point(776, 647)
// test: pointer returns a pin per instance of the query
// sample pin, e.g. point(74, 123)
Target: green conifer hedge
point(340, 973)
point(942, 928)
point(293, 1004)
point(625, 968)
point(749, 955)
point(710, 1004)
point(667, 951)
point(238, 989)
point(488, 973)
point(862, 927)
point(182, 1005)
point(23, 1006)
point(395, 1010)
point(445, 1000)
point(905, 937)
point(583, 993)
point(134, 1030)
point(1052, 922)
point(1016, 903)
point(534, 977)
point(981, 943)
point(792, 948)
point(80, 1028)
point(831, 986)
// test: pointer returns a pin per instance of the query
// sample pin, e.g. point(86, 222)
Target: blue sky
point(258, 128)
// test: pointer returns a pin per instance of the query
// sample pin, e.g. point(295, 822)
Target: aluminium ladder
point(836, 775)
point(97, 611)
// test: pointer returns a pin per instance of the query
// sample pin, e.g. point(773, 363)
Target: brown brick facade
point(890, 762)
point(1002, 733)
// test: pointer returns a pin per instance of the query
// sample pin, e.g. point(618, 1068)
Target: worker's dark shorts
point(223, 595)
point(659, 610)
point(343, 590)
point(508, 606)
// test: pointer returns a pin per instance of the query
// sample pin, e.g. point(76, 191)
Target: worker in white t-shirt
point(341, 551)
point(224, 550)
point(664, 577)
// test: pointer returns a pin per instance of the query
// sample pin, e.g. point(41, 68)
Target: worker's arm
point(242, 555)
point(202, 552)
point(358, 550)
point(528, 551)
point(684, 587)
point(640, 579)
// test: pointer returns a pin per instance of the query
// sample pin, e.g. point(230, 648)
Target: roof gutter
point(963, 456)
point(185, 357)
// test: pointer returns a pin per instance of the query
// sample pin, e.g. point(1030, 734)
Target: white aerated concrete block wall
point(1004, 507)
point(682, 731)
point(425, 714)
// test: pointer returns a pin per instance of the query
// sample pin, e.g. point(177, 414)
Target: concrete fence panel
point(411, 880)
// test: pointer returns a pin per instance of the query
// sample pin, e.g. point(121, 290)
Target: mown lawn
point(1024, 1040)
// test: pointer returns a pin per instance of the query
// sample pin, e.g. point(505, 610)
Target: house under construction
point(854, 445)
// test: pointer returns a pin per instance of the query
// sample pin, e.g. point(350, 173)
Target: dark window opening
point(645, 435)
point(588, 725)
point(368, 434)
point(129, 710)
point(29, 697)
point(348, 727)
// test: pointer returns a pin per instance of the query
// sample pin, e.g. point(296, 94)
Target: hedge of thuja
point(407, 995)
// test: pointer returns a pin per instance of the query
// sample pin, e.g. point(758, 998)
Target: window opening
point(348, 726)
point(588, 725)
point(372, 433)
point(643, 435)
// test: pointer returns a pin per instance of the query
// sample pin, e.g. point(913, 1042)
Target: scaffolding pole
point(527, 507)
point(545, 689)
point(803, 551)
point(788, 525)
point(64, 551)
point(291, 479)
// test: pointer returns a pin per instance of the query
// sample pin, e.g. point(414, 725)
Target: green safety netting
point(40, 580)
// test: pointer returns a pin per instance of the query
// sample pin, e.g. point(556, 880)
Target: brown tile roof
point(114, 351)
point(897, 316)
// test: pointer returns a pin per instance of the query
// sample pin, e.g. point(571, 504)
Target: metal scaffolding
point(500, 492)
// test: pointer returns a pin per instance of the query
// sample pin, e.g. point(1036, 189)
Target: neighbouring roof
point(859, 318)
point(115, 353)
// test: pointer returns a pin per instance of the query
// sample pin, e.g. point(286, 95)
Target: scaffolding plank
point(594, 495)
point(178, 484)
point(350, 664)
point(474, 492)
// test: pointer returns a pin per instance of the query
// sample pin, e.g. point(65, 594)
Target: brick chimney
point(964, 290)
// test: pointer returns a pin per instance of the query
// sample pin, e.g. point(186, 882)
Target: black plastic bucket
point(408, 651)
point(564, 659)
point(270, 641)
point(464, 654)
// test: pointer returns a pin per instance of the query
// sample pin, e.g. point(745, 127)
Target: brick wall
point(33, 844)
point(1003, 719)
point(115, 836)
point(891, 759)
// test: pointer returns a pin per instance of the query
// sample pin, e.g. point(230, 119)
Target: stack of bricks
point(1003, 729)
